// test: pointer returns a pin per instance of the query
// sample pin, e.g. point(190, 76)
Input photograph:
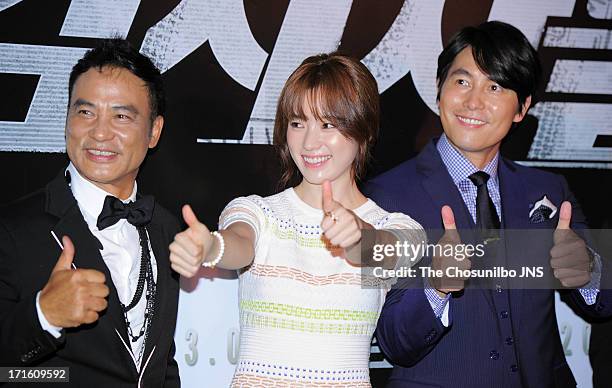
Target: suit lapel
point(514, 210)
point(159, 244)
point(439, 185)
point(62, 204)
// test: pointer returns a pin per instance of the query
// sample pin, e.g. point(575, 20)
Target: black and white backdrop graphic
point(224, 63)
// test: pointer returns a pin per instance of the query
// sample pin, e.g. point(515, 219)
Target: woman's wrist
point(218, 248)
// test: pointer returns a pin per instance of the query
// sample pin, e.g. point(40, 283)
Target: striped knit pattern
point(306, 316)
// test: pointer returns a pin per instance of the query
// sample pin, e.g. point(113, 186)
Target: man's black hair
point(119, 53)
point(502, 52)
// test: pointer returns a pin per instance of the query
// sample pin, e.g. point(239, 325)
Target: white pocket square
point(542, 210)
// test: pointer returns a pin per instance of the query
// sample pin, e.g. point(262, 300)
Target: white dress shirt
point(121, 254)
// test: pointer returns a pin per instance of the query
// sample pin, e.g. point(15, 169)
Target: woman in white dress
point(307, 311)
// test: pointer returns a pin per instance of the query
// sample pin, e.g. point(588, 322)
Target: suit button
point(498, 288)
point(513, 368)
point(504, 314)
point(493, 355)
point(509, 341)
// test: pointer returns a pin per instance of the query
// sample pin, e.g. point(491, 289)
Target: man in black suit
point(103, 301)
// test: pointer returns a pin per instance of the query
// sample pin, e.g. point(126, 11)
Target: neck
point(121, 188)
point(480, 158)
point(344, 191)
point(122, 191)
point(479, 161)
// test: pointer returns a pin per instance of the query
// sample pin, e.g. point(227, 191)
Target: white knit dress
point(306, 317)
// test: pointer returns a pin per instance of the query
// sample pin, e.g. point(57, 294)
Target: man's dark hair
point(119, 53)
point(502, 52)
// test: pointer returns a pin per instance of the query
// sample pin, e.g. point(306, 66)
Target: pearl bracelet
point(213, 263)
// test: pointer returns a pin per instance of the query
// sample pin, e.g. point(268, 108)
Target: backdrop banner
point(224, 63)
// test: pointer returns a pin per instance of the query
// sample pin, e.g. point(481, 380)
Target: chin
point(314, 180)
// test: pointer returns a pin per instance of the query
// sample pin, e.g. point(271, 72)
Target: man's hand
point(191, 246)
point(73, 297)
point(446, 284)
point(340, 225)
point(569, 258)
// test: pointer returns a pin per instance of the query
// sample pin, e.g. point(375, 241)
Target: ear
point(156, 130)
point(520, 115)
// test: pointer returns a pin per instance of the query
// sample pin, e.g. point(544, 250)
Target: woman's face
point(320, 151)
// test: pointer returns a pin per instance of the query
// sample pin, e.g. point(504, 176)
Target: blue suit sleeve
point(408, 328)
point(602, 307)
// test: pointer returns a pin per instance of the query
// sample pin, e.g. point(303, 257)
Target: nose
point(474, 99)
point(312, 138)
point(101, 130)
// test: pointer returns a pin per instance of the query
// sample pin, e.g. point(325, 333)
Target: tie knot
point(137, 213)
point(479, 178)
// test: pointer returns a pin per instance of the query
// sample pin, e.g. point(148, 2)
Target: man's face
point(108, 128)
point(475, 111)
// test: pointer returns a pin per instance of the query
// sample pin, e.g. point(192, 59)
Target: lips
point(315, 161)
point(100, 155)
point(470, 121)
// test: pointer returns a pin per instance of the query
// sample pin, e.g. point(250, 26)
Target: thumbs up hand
point(72, 297)
point(192, 246)
point(443, 262)
point(67, 257)
point(569, 257)
point(340, 225)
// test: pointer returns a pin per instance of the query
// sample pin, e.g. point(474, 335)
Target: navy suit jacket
point(495, 337)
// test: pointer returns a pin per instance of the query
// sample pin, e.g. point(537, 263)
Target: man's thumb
point(565, 215)
point(448, 218)
point(65, 260)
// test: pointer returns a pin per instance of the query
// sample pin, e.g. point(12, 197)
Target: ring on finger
point(333, 217)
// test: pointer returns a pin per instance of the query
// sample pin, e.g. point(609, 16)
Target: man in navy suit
point(444, 334)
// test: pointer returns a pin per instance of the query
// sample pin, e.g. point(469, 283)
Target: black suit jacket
point(95, 353)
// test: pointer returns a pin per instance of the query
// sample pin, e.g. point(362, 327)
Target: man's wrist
point(55, 331)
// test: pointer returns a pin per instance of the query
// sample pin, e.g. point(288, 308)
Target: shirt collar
point(89, 196)
point(458, 166)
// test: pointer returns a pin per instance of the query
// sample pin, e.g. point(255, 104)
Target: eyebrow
point(461, 71)
point(130, 108)
point(81, 102)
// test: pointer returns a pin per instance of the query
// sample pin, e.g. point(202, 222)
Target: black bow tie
point(137, 213)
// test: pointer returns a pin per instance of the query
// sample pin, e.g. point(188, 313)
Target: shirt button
point(504, 314)
point(509, 341)
point(493, 355)
point(513, 368)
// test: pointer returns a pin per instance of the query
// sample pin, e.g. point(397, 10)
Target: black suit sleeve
point(22, 340)
point(172, 379)
point(172, 372)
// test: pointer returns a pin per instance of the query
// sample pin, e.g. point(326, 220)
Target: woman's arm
point(197, 245)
